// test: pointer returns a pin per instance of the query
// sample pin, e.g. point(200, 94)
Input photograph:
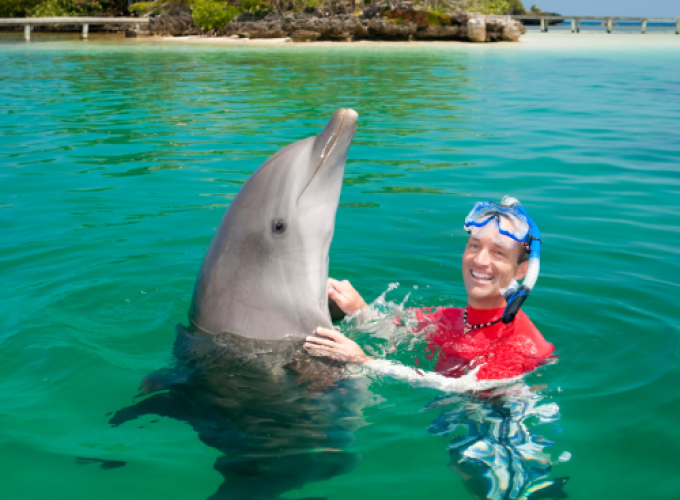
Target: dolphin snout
point(336, 136)
point(328, 156)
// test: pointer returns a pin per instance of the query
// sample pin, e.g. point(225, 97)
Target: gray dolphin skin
point(264, 275)
point(240, 378)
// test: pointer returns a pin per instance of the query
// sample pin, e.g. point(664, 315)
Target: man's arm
point(335, 345)
point(345, 296)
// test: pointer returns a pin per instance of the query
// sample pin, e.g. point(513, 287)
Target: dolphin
point(265, 274)
point(241, 378)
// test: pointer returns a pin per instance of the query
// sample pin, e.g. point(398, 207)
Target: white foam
point(432, 380)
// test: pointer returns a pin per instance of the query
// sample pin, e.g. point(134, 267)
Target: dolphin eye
point(278, 226)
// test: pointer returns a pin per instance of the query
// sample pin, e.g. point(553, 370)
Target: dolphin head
point(264, 274)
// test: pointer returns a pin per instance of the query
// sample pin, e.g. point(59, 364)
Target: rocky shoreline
point(405, 23)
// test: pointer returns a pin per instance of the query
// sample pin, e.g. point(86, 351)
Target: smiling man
point(491, 334)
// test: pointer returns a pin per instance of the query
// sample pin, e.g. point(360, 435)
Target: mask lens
point(514, 225)
point(505, 219)
point(491, 228)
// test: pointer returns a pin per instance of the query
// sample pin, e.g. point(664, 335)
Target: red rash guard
point(502, 350)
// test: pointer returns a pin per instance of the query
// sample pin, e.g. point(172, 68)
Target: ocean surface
point(118, 160)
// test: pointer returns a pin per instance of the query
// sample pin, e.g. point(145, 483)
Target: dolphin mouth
point(328, 138)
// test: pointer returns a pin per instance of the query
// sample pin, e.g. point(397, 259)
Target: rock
point(130, 33)
point(345, 37)
point(376, 23)
point(112, 27)
point(512, 32)
point(374, 10)
point(266, 28)
point(389, 29)
point(305, 36)
point(500, 28)
point(175, 21)
point(476, 30)
point(439, 33)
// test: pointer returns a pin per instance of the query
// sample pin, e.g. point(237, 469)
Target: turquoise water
point(117, 162)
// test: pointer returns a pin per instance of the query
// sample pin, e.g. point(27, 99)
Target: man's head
point(493, 256)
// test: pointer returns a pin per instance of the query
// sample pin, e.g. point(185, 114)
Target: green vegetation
point(61, 8)
point(513, 7)
point(489, 6)
point(516, 8)
point(142, 8)
point(422, 19)
point(256, 6)
point(433, 18)
point(211, 14)
point(17, 8)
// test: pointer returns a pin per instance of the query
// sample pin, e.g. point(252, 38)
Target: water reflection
point(493, 448)
point(277, 427)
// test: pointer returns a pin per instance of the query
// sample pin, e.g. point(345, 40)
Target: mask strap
point(516, 295)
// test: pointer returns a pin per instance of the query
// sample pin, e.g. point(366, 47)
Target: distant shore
point(532, 39)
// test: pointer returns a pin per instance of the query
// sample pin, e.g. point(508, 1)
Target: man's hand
point(335, 345)
point(345, 296)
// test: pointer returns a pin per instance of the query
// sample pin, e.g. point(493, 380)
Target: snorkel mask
point(511, 221)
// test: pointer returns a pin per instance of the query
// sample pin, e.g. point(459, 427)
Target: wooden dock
point(28, 22)
point(576, 21)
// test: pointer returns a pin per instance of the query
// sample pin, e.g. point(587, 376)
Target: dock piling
point(644, 26)
point(677, 27)
point(543, 26)
point(578, 26)
point(27, 32)
point(573, 26)
point(86, 29)
point(609, 25)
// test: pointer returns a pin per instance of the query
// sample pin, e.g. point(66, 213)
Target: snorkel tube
point(515, 294)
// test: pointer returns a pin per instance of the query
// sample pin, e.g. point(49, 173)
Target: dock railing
point(576, 21)
point(28, 22)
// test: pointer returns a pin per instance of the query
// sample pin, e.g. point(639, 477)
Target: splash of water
point(396, 336)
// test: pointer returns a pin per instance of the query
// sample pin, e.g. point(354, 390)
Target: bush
point(17, 8)
point(142, 8)
point(516, 8)
point(437, 18)
point(259, 6)
point(490, 6)
point(65, 8)
point(210, 14)
point(62, 8)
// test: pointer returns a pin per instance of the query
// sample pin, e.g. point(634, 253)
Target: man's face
point(489, 264)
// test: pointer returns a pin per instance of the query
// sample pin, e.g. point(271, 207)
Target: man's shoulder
point(525, 327)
